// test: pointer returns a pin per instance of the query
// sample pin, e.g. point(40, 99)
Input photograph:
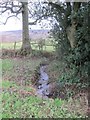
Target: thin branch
point(10, 7)
point(39, 19)
point(54, 5)
point(8, 18)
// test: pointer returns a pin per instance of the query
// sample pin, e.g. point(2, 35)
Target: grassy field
point(19, 99)
point(34, 45)
point(10, 45)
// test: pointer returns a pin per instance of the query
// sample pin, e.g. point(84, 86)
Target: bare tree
point(14, 9)
point(26, 48)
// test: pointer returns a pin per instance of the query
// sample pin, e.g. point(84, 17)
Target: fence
point(38, 45)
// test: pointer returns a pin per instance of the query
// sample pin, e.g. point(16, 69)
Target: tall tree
point(26, 48)
point(14, 10)
point(71, 28)
point(65, 14)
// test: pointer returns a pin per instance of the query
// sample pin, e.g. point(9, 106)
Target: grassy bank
point(18, 93)
point(18, 105)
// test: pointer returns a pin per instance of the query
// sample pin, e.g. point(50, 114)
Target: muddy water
point(43, 87)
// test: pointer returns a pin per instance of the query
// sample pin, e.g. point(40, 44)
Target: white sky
point(12, 24)
point(15, 24)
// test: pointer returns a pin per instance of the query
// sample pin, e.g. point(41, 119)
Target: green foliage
point(77, 58)
point(69, 76)
point(62, 46)
point(29, 107)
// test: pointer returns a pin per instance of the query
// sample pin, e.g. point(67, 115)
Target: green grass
point(7, 64)
point(16, 106)
point(18, 46)
point(8, 84)
point(10, 45)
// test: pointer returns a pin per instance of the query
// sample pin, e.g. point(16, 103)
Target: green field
point(34, 46)
point(10, 45)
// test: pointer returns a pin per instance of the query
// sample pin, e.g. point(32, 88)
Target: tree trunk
point(71, 30)
point(26, 47)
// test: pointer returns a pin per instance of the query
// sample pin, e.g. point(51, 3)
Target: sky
point(16, 24)
point(12, 24)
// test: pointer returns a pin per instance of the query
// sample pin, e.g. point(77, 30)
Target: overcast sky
point(15, 24)
point(12, 24)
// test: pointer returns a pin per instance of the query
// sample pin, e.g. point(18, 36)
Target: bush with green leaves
point(78, 57)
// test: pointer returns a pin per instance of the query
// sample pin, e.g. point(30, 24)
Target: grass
point(10, 45)
point(7, 64)
point(64, 77)
point(8, 84)
point(18, 46)
point(16, 104)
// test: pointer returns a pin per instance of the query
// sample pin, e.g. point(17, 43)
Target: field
point(19, 99)
point(10, 45)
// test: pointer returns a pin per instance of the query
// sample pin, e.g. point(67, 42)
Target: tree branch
point(15, 9)
point(10, 6)
point(8, 18)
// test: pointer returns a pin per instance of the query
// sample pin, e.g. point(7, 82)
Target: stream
point(43, 87)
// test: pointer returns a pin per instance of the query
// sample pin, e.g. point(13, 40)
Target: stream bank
point(41, 81)
point(22, 73)
point(46, 82)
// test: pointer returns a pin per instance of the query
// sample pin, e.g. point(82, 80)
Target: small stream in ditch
point(43, 83)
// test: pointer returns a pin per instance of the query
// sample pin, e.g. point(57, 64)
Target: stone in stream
point(44, 91)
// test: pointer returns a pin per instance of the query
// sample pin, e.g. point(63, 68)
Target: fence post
point(14, 47)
